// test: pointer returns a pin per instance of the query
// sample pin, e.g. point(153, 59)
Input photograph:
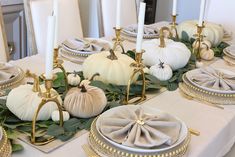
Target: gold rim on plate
point(5, 146)
point(104, 148)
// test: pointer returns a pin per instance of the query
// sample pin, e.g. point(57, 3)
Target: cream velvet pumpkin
point(212, 32)
point(23, 103)
point(112, 68)
point(85, 102)
point(175, 54)
point(163, 72)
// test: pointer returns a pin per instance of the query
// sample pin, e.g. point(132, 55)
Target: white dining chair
point(4, 54)
point(128, 14)
point(222, 12)
point(37, 11)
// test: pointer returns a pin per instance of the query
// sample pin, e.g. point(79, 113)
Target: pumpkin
point(204, 44)
point(74, 79)
point(163, 72)
point(85, 101)
point(113, 68)
point(212, 32)
point(55, 116)
point(207, 53)
point(23, 102)
point(175, 54)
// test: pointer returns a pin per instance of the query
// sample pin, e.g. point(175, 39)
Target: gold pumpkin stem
point(162, 40)
point(36, 87)
point(112, 55)
point(92, 78)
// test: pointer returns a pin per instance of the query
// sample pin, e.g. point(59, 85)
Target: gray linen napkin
point(135, 128)
point(85, 45)
point(215, 79)
point(148, 29)
point(6, 71)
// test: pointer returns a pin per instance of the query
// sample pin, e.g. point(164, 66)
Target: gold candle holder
point(199, 39)
point(174, 26)
point(58, 64)
point(138, 68)
point(118, 40)
point(47, 96)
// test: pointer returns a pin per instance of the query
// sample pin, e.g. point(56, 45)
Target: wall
point(187, 9)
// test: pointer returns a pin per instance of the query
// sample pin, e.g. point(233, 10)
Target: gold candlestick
point(58, 64)
point(199, 39)
point(138, 68)
point(118, 40)
point(174, 27)
point(47, 96)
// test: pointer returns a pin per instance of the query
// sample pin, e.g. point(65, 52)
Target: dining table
point(216, 125)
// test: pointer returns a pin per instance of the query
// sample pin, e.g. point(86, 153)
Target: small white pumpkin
point(74, 79)
point(113, 68)
point(55, 116)
point(163, 72)
point(207, 54)
point(212, 32)
point(23, 103)
point(204, 44)
point(175, 54)
point(86, 101)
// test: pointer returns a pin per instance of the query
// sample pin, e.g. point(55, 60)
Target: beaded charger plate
point(209, 96)
point(5, 146)
point(105, 149)
point(14, 81)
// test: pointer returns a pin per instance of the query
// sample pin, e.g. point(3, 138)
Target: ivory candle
point(51, 20)
point(118, 15)
point(202, 12)
point(56, 14)
point(140, 27)
point(174, 9)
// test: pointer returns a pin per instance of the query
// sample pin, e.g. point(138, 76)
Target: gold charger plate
point(5, 146)
point(105, 149)
point(203, 95)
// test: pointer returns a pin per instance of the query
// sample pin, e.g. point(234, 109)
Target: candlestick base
point(48, 96)
point(58, 64)
point(173, 25)
point(118, 41)
point(138, 68)
point(199, 39)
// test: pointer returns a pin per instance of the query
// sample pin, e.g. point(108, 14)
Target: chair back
point(37, 11)
point(128, 14)
point(4, 54)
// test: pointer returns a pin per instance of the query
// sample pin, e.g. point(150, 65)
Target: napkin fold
point(6, 71)
point(134, 128)
point(85, 45)
point(148, 29)
point(215, 79)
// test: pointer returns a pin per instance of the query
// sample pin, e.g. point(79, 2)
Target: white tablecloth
point(217, 126)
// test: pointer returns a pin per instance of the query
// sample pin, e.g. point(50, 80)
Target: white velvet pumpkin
point(212, 32)
point(23, 103)
point(175, 54)
point(163, 72)
point(204, 44)
point(112, 69)
point(85, 102)
point(207, 54)
point(74, 79)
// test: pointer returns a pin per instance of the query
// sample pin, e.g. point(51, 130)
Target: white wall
point(187, 9)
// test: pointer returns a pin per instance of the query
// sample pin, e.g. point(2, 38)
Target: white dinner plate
point(194, 72)
point(148, 110)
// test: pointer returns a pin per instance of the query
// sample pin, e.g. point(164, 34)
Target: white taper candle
point(56, 14)
point(174, 9)
point(118, 15)
point(202, 12)
point(50, 46)
point(140, 27)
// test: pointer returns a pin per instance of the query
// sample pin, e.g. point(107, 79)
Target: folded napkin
point(148, 29)
point(85, 45)
point(6, 71)
point(215, 79)
point(134, 128)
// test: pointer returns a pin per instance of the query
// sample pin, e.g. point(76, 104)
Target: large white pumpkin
point(112, 68)
point(212, 32)
point(175, 54)
point(23, 103)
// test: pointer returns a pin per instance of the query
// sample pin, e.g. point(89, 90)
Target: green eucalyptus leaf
point(72, 124)
point(17, 147)
point(185, 36)
point(172, 86)
point(66, 136)
point(55, 130)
